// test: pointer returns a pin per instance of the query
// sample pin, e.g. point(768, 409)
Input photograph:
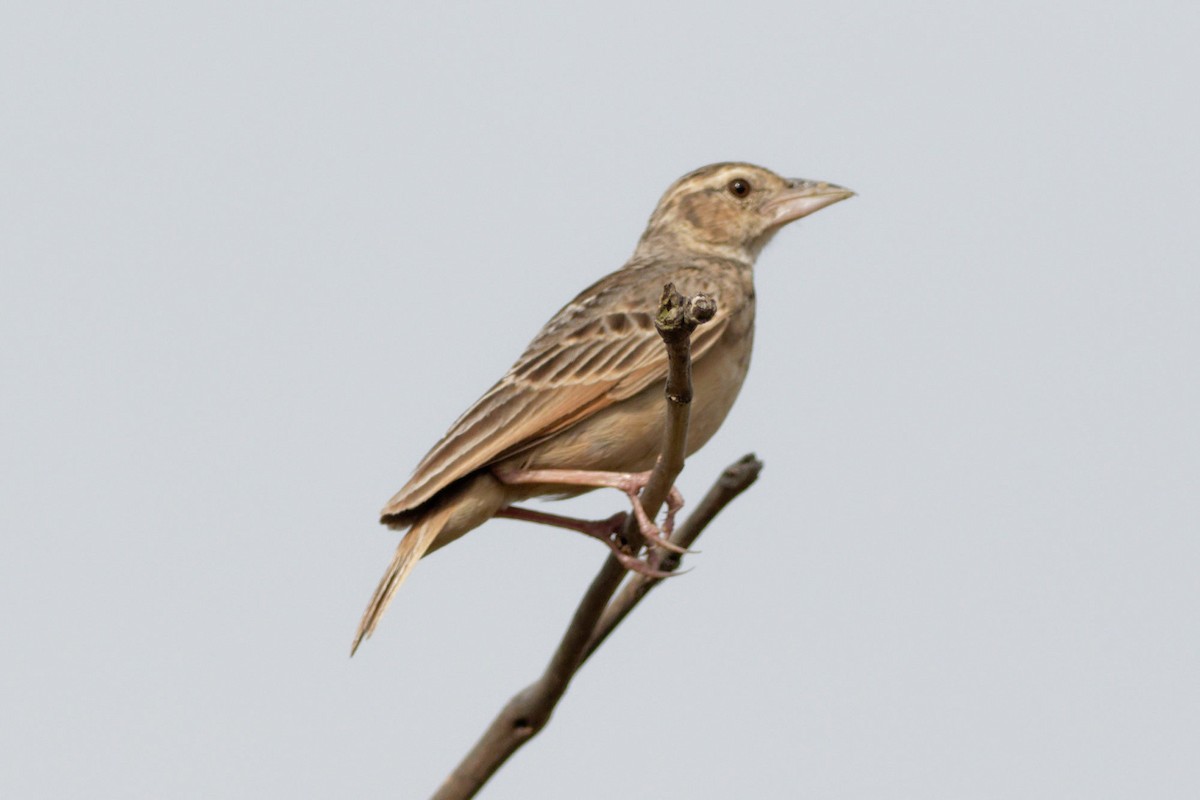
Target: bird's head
point(731, 210)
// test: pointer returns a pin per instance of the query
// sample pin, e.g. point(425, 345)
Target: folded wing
point(598, 350)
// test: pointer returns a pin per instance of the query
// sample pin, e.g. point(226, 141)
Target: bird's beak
point(802, 198)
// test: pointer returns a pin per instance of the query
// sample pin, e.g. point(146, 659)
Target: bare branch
point(529, 710)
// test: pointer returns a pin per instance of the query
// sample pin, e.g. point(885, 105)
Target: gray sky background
point(257, 256)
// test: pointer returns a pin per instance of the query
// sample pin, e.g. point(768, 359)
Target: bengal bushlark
point(583, 405)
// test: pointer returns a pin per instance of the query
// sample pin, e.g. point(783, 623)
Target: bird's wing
point(595, 352)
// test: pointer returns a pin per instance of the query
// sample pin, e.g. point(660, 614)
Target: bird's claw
point(649, 566)
point(632, 484)
point(635, 564)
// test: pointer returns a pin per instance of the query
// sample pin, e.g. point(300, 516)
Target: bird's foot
point(651, 532)
point(631, 483)
point(606, 530)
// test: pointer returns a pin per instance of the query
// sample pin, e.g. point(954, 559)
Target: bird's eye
point(739, 187)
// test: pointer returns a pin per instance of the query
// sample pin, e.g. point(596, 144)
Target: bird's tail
point(416, 543)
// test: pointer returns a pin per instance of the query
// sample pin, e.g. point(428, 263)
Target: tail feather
point(415, 544)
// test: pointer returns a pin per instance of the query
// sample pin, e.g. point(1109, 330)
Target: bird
point(583, 406)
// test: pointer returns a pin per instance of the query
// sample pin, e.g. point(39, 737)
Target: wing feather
point(583, 361)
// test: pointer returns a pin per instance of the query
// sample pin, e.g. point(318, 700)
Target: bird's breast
point(627, 436)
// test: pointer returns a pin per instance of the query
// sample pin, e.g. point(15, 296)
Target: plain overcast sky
point(257, 256)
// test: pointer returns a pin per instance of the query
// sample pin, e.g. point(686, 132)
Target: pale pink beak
point(802, 198)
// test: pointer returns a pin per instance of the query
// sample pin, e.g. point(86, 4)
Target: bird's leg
point(628, 482)
point(674, 503)
point(606, 530)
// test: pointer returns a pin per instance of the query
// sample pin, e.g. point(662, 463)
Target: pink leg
point(605, 530)
point(674, 503)
point(628, 482)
